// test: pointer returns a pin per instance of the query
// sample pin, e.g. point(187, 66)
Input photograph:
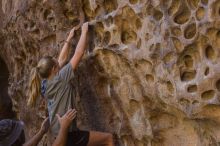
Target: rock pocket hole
point(25, 26)
point(218, 34)
point(109, 21)
point(217, 84)
point(107, 37)
point(128, 37)
point(138, 23)
point(32, 25)
point(149, 78)
point(174, 7)
point(170, 87)
point(139, 44)
point(190, 31)
point(206, 71)
point(177, 44)
point(133, 1)
point(36, 31)
point(168, 58)
point(195, 102)
point(51, 19)
point(188, 75)
point(182, 17)
point(110, 5)
point(134, 106)
point(208, 95)
point(184, 102)
point(192, 88)
point(157, 15)
point(176, 31)
point(70, 15)
point(210, 53)
point(148, 36)
point(188, 61)
point(200, 13)
point(193, 3)
point(46, 14)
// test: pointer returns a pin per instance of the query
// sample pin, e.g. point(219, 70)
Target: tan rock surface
point(150, 74)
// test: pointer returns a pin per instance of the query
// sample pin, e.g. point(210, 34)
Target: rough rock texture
point(150, 74)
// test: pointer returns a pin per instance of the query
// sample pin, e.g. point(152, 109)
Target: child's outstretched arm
point(80, 47)
point(63, 56)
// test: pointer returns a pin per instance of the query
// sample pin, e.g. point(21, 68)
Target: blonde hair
point(43, 70)
point(34, 87)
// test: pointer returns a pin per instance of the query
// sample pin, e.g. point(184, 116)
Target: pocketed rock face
point(151, 70)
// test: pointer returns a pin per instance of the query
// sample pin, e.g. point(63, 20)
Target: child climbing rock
point(58, 91)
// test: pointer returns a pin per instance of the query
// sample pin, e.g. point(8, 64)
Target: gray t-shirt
point(61, 97)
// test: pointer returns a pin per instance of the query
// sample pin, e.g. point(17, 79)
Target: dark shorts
point(78, 138)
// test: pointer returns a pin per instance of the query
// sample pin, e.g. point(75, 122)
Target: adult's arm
point(65, 121)
point(36, 139)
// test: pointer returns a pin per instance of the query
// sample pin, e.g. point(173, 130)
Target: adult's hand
point(66, 120)
point(37, 137)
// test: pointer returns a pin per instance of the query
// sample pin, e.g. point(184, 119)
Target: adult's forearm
point(34, 140)
point(61, 138)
